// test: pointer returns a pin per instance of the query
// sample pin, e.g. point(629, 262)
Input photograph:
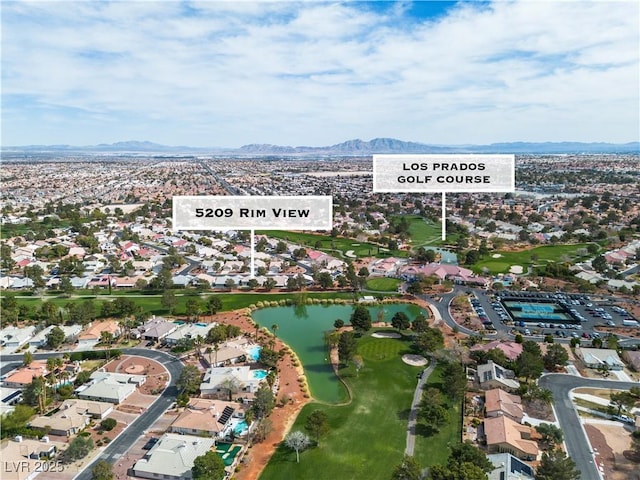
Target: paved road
point(413, 414)
point(125, 441)
point(575, 438)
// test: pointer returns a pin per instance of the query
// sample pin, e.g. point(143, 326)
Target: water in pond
point(303, 328)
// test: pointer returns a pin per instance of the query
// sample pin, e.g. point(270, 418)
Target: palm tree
point(197, 343)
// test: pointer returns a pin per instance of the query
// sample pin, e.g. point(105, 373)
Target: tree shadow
point(425, 430)
point(403, 414)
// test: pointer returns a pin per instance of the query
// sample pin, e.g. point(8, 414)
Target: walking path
point(413, 414)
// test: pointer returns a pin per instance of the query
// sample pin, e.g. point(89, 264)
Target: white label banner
point(444, 173)
point(252, 212)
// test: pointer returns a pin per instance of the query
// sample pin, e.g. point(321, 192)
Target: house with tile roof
point(504, 435)
point(172, 457)
point(211, 418)
point(512, 350)
point(498, 403)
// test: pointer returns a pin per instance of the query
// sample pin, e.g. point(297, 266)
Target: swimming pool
point(241, 428)
point(259, 374)
point(254, 352)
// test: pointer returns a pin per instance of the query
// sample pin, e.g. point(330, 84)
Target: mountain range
point(350, 147)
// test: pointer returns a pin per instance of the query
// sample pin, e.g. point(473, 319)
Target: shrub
point(108, 424)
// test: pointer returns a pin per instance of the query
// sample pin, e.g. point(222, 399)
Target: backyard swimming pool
point(259, 374)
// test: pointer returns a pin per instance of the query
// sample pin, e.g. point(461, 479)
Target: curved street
point(121, 444)
point(575, 437)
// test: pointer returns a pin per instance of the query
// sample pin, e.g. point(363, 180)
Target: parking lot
point(561, 315)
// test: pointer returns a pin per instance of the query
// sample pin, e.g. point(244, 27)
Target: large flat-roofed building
point(172, 457)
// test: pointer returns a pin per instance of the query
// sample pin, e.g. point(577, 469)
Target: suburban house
point(32, 452)
point(491, 375)
point(12, 338)
point(188, 331)
point(512, 350)
point(211, 418)
point(172, 457)
point(504, 435)
point(509, 467)
point(93, 331)
point(71, 333)
point(599, 358)
point(72, 417)
point(110, 387)
point(227, 354)
point(632, 358)
point(8, 398)
point(155, 329)
point(218, 380)
point(25, 375)
point(498, 402)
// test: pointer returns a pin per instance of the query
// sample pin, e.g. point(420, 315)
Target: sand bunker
point(496, 255)
point(386, 335)
point(350, 254)
point(516, 269)
point(415, 360)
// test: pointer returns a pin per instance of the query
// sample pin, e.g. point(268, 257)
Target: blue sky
point(316, 73)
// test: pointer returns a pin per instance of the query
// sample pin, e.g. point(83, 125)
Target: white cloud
point(229, 73)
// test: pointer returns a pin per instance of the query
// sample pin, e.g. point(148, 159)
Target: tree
point(338, 323)
point(346, 347)
point(400, 321)
point(209, 466)
point(529, 365)
point(214, 305)
point(268, 357)
point(361, 319)
point(467, 452)
point(65, 285)
point(169, 301)
point(102, 470)
point(456, 382)
point(317, 424)
point(555, 465)
point(429, 341)
point(262, 431)
point(419, 324)
point(108, 424)
point(556, 355)
point(432, 409)
point(78, 448)
point(269, 284)
point(297, 441)
point(27, 358)
point(325, 280)
point(622, 400)
point(551, 435)
point(189, 380)
point(55, 338)
point(408, 469)
point(263, 402)
point(599, 264)
point(457, 471)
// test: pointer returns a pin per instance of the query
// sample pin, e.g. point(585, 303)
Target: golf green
point(303, 328)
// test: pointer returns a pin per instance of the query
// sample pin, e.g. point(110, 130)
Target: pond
point(303, 328)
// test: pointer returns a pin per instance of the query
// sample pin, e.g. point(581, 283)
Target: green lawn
point(434, 449)
point(329, 244)
point(424, 232)
point(532, 256)
point(368, 436)
point(152, 303)
point(383, 284)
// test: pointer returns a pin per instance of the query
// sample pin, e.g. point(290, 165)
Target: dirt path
point(289, 387)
